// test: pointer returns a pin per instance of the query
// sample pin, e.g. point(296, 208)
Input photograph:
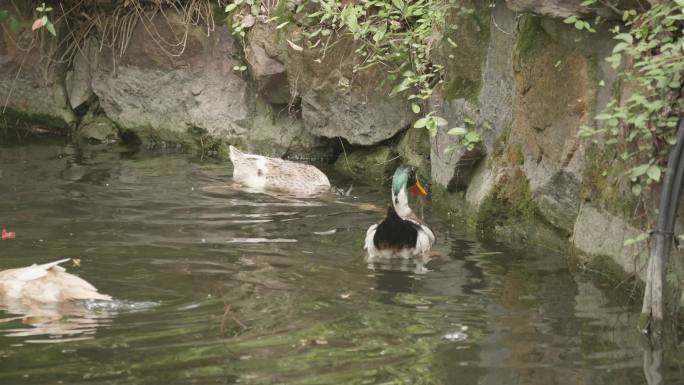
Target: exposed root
point(111, 23)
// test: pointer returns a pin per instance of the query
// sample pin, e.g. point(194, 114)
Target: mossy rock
point(60, 125)
point(159, 138)
point(372, 164)
point(531, 37)
point(463, 61)
point(98, 130)
point(601, 181)
point(414, 150)
point(461, 88)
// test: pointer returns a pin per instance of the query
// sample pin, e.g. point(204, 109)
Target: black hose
point(673, 201)
point(671, 189)
point(664, 230)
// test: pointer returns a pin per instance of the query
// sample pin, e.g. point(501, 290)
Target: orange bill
point(418, 189)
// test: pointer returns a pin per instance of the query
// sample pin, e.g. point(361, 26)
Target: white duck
point(263, 173)
point(400, 234)
point(46, 283)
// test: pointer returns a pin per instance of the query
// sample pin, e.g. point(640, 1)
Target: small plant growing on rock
point(397, 35)
point(642, 126)
point(469, 138)
point(44, 21)
point(651, 64)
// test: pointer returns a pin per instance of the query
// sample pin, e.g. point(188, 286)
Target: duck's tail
point(235, 154)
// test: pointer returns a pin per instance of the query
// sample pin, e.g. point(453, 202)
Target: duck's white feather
point(368, 244)
point(426, 238)
point(424, 242)
point(264, 173)
point(48, 282)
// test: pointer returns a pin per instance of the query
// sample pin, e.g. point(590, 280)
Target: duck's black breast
point(395, 233)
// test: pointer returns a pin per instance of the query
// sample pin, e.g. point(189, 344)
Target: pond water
point(218, 286)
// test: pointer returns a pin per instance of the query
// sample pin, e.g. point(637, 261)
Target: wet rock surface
point(374, 165)
point(30, 89)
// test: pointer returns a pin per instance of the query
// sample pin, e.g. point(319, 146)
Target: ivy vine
point(649, 57)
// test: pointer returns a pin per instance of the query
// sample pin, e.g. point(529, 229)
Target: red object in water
point(8, 234)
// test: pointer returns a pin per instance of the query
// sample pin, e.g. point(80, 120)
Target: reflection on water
point(217, 285)
point(56, 320)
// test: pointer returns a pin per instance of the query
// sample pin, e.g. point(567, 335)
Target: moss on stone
point(159, 138)
point(372, 164)
point(606, 269)
point(601, 183)
point(450, 205)
point(512, 199)
point(531, 37)
point(481, 15)
point(207, 146)
point(513, 154)
point(12, 118)
point(467, 43)
point(461, 88)
point(213, 147)
point(414, 149)
point(282, 12)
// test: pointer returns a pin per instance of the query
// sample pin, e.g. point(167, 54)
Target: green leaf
point(638, 170)
point(420, 123)
point(415, 108)
point(614, 60)
point(625, 37)
point(619, 47)
point(639, 238)
point(230, 7)
point(14, 25)
point(472, 137)
point(570, 20)
point(380, 33)
point(457, 131)
point(439, 121)
point(399, 4)
point(3, 15)
point(51, 28)
point(654, 173)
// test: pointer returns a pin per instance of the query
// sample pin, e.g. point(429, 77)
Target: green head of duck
point(405, 177)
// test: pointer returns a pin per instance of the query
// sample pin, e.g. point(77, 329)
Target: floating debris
point(455, 336)
point(8, 234)
point(261, 240)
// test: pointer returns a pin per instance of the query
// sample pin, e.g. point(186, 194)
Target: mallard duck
point(401, 233)
point(47, 283)
point(263, 173)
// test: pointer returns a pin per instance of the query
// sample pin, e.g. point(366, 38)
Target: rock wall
point(29, 91)
point(519, 76)
point(533, 179)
